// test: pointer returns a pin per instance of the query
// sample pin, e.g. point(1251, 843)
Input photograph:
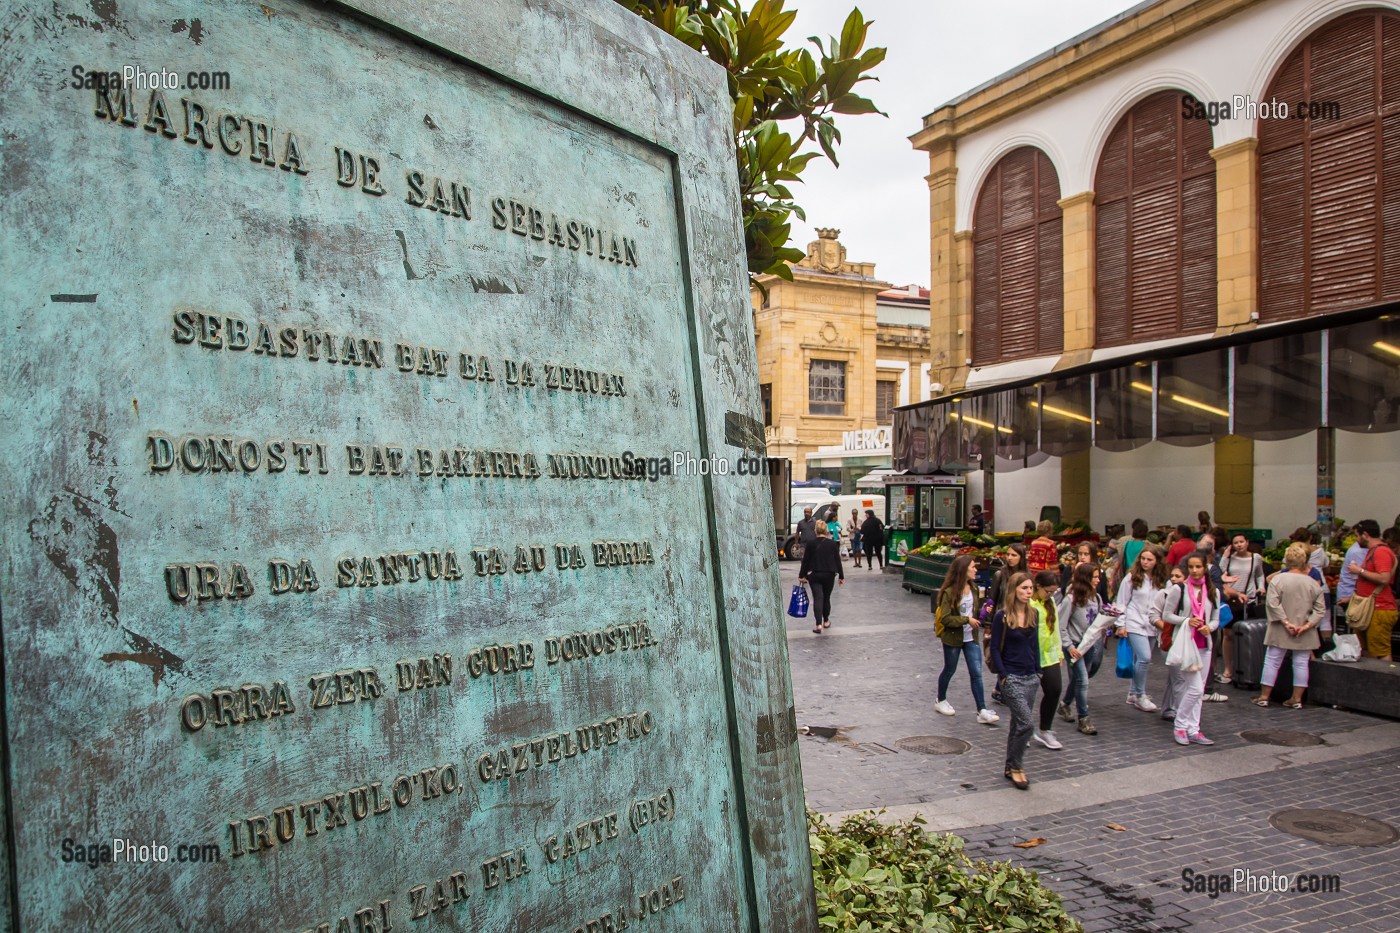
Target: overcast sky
point(937, 49)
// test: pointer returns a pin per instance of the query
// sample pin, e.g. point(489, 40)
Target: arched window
point(1154, 196)
point(1329, 183)
point(1018, 295)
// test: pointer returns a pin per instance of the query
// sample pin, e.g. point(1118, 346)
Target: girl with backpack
point(1082, 624)
point(955, 623)
point(1139, 590)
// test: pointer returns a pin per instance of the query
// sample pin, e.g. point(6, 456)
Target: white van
point(822, 511)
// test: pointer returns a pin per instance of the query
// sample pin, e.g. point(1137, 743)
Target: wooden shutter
point(1050, 244)
point(1155, 229)
point(1111, 273)
point(1018, 293)
point(986, 288)
point(1018, 261)
point(1330, 187)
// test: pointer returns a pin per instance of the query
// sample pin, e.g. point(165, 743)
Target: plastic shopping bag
point(797, 605)
point(1124, 667)
point(1184, 654)
point(1348, 649)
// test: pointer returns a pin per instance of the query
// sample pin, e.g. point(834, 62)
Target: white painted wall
point(1021, 493)
point(1236, 56)
point(1368, 481)
point(1159, 483)
point(1285, 483)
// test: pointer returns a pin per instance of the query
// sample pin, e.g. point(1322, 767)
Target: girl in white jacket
point(1136, 596)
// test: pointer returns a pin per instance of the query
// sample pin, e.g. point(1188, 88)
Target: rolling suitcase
point(1249, 651)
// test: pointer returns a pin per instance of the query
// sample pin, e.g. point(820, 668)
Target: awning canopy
point(1339, 372)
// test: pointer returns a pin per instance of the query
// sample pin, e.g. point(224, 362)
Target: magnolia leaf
point(1031, 843)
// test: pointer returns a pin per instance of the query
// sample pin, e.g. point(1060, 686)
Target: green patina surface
point(318, 546)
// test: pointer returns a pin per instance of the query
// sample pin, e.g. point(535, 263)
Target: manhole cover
point(1334, 827)
point(933, 744)
point(1281, 737)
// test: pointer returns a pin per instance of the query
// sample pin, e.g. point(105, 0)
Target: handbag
point(1226, 615)
point(1359, 611)
point(1361, 608)
point(1124, 667)
point(797, 605)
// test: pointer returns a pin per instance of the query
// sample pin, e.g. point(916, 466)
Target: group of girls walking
point(1040, 623)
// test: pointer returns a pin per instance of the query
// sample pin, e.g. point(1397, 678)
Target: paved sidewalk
point(873, 676)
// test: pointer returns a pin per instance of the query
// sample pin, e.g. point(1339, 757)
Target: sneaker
point(1199, 739)
point(1131, 700)
point(1215, 698)
point(1222, 678)
point(1047, 738)
point(944, 707)
point(987, 717)
point(1145, 704)
point(1066, 713)
point(998, 698)
point(1168, 713)
point(1087, 727)
point(1179, 736)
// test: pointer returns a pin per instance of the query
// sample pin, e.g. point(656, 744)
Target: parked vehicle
point(822, 510)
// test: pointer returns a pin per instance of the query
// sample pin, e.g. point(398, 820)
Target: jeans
point(1050, 685)
point(973, 653)
point(1094, 657)
point(821, 595)
point(1090, 661)
point(1019, 692)
point(1142, 659)
point(1078, 689)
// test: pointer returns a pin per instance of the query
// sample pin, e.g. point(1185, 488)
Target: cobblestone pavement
point(873, 676)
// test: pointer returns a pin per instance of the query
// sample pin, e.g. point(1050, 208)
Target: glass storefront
point(1266, 388)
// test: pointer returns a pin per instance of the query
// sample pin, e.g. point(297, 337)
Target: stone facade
point(834, 311)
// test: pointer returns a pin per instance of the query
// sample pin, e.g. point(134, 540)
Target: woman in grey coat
point(1296, 606)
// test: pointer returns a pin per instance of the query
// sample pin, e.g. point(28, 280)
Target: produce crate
point(924, 574)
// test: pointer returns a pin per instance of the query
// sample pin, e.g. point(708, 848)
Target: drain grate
point(1334, 827)
point(1281, 737)
point(873, 748)
point(933, 745)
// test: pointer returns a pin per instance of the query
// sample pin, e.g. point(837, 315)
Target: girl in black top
point(1015, 646)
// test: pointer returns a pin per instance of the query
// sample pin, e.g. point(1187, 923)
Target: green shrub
point(873, 876)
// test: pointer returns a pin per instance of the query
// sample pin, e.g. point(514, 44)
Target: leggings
point(1050, 695)
point(871, 552)
point(1273, 660)
point(821, 595)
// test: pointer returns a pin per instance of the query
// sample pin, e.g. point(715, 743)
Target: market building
point(838, 350)
point(1165, 271)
